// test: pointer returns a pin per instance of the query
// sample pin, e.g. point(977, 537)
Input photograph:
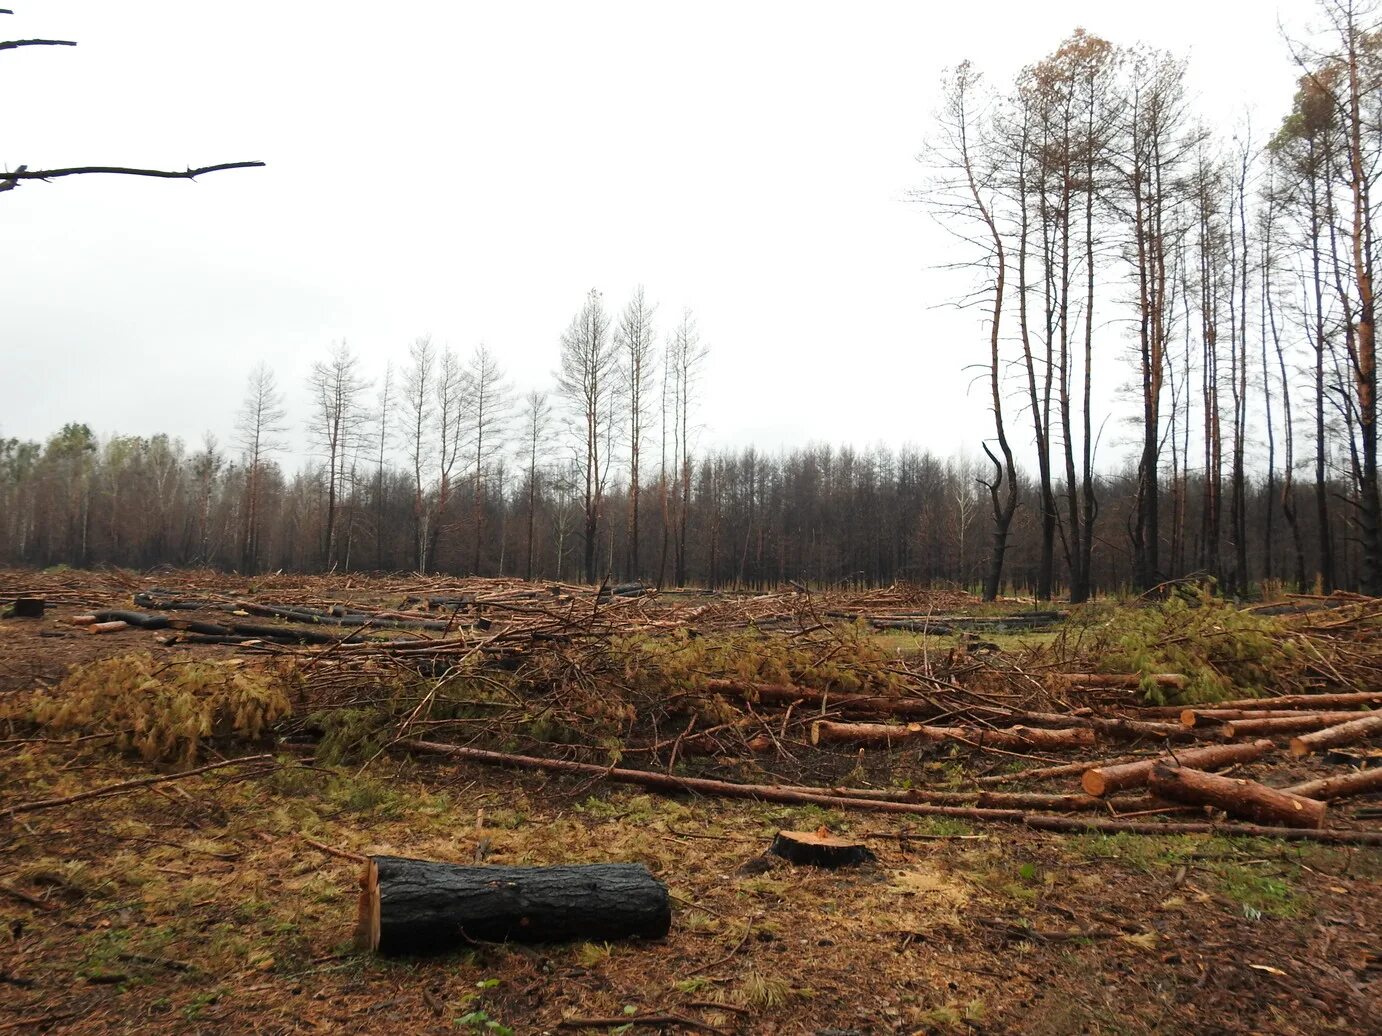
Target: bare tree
point(383, 414)
point(965, 195)
point(335, 427)
point(634, 337)
point(418, 408)
point(586, 380)
point(489, 404)
point(537, 413)
point(258, 430)
point(685, 356)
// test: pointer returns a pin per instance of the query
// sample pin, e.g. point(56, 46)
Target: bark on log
point(1020, 738)
point(1105, 780)
point(1314, 702)
point(1247, 800)
point(143, 620)
point(787, 694)
point(1116, 728)
point(416, 906)
point(1217, 717)
point(1274, 725)
point(819, 849)
point(666, 782)
point(1358, 783)
point(1342, 734)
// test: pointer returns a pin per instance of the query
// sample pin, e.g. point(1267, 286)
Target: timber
point(1271, 725)
point(1105, 780)
point(412, 907)
point(1358, 783)
point(1315, 702)
point(1342, 734)
point(828, 732)
point(1247, 800)
point(1212, 717)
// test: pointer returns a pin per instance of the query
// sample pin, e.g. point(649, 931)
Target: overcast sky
point(470, 170)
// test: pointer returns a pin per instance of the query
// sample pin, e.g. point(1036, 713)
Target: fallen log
point(1315, 702)
point(1086, 825)
point(416, 906)
point(1345, 784)
point(666, 782)
point(1105, 780)
point(1018, 737)
point(789, 694)
point(819, 849)
point(1274, 725)
point(1218, 717)
point(114, 626)
point(1247, 800)
point(142, 620)
point(1114, 728)
point(1342, 734)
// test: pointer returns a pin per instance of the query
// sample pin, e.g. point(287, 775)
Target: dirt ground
point(224, 903)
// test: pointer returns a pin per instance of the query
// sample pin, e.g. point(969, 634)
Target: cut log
point(1247, 800)
point(82, 620)
point(1217, 717)
point(143, 620)
point(819, 849)
point(1313, 702)
point(1274, 725)
point(417, 906)
point(107, 627)
point(1342, 734)
point(1114, 728)
point(1105, 780)
point(1018, 738)
point(1342, 786)
point(787, 694)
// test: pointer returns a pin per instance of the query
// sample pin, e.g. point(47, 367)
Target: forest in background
point(1229, 276)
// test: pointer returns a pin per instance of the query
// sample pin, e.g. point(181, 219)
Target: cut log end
point(367, 915)
point(819, 849)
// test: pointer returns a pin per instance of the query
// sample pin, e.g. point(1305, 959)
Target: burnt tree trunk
point(417, 906)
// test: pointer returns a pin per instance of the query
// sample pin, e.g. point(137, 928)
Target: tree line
point(1109, 227)
point(1233, 275)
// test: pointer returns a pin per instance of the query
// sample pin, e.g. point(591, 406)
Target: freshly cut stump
point(819, 849)
point(417, 906)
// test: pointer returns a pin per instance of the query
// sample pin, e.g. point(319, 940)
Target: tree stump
point(819, 849)
point(28, 608)
point(417, 906)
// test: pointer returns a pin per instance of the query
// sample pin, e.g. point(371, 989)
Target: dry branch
point(124, 786)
